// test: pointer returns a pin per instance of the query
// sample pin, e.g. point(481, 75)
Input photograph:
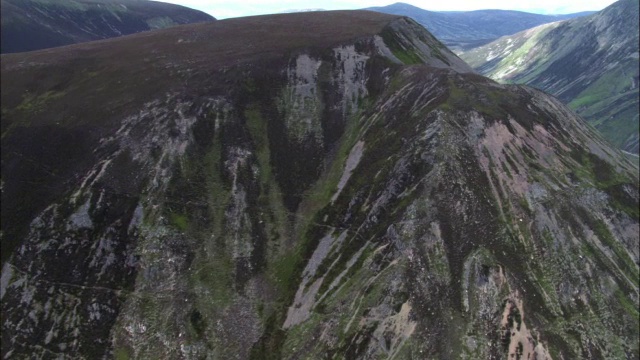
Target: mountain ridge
point(348, 189)
point(463, 30)
point(589, 63)
point(29, 25)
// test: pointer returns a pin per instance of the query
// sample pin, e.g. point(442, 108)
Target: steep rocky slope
point(39, 24)
point(463, 30)
point(310, 185)
point(590, 63)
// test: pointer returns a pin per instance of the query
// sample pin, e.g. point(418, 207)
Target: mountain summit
point(309, 185)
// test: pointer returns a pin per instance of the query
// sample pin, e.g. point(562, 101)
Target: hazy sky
point(222, 9)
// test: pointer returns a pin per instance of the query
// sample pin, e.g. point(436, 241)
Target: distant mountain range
point(590, 63)
point(462, 30)
point(38, 24)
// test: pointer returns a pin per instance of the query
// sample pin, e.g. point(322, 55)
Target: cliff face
point(590, 63)
point(29, 25)
point(318, 183)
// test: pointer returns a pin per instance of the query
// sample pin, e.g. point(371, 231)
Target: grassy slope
point(591, 64)
point(611, 104)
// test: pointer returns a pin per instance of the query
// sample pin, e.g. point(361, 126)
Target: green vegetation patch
point(607, 179)
point(161, 22)
point(284, 272)
point(179, 221)
point(122, 354)
point(213, 279)
point(34, 104)
point(611, 103)
point(614, 82)
point(627, 305)
point(407, 55)
point(606, 237)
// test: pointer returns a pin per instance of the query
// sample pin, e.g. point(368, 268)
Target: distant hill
point(590, 63)
point(38, 24)
point(462, 30)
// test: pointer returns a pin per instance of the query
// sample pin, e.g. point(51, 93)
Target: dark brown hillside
point(167, 59)
point(59, 88)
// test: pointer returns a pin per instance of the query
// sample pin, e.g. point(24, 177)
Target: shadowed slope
point(29, 25)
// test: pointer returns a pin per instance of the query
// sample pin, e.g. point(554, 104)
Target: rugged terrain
point(590, 63)
point(39, 24)
point(464, 30)
point(310, 185)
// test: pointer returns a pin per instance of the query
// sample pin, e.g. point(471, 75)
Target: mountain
point(590, 63)
point(39, 24)
point(309, 185)
point(463, 30)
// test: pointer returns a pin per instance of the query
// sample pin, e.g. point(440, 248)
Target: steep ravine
point(366, 198)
